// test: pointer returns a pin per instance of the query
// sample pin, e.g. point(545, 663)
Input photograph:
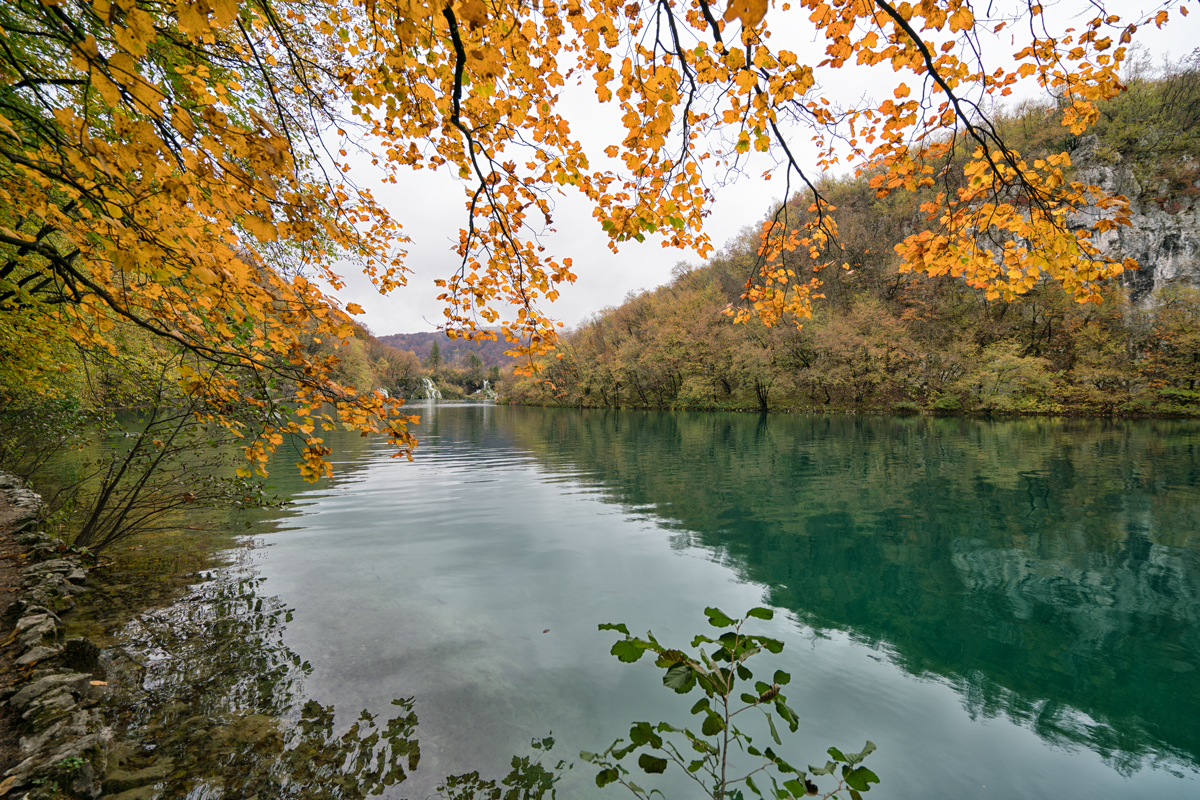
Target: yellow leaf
point(750, 12)
point(225, 11)
point(262, 230)
point(473, 11)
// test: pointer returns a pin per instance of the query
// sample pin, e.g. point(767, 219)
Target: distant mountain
point(453, 350)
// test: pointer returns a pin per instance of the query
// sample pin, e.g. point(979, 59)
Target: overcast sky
point(431, 205)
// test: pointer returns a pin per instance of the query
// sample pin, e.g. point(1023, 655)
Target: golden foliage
point(162, 161)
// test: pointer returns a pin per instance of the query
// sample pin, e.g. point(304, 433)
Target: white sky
point(431, 205)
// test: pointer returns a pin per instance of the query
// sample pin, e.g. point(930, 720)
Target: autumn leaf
point(750, 12)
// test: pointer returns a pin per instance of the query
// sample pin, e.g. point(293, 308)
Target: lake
point(1006, 608)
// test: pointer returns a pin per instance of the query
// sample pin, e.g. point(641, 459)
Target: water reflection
point(1044, 571)
point(1049, 570)
point(210, 704)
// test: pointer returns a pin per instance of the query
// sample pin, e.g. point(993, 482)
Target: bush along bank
point(64, 742)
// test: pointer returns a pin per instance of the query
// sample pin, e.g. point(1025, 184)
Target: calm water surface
point(1006, 608)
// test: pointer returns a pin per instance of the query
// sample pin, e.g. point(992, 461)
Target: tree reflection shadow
point(209, 703)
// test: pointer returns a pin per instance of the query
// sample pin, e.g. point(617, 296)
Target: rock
point(84, 778)
point(31, 745)
point(27, 622)
point(39, 653)
point(81, 655)
point(120, 780)
point(140, 793)
point(60, 565)
point(78, 575)
point(48, 709)
point(39, 632)
point(73, 682)
point(24, 608)
point(85, 783)
point(1163, 238)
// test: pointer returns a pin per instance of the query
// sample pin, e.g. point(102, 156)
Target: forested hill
point(452, 350)
point(885, 341)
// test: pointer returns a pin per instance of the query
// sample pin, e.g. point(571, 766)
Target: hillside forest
point(884, 340)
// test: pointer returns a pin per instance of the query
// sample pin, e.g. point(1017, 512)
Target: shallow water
point(1005, 608)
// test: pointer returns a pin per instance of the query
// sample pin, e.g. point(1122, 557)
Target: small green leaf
point(618, 754)
point(744, 673)
point(771, 645)
point(701, 639)
point(760, 613)
point(860, 777)
point(679, 677)
point(854, 795)
point(717, 618)
point(641, 733)
point(774, 733)
point(701, 705)
point(828, 769)
point(607, 776)
point(753, 788)
point(652, 764)
point(747, 698)
point(787, 714)
point(627, 650)
point(795, 787)
point(586, 756)
point(713, 724)
point(855, 758)
point(748, 653)
point(782, 678)
point(619, 627)
point(836, 754)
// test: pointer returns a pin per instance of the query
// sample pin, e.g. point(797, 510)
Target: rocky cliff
point(1165, 235)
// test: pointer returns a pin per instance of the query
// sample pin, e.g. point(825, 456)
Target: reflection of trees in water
point(210, 701)
point(1046, 569)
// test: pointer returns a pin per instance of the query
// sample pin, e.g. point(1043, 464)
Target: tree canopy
point(184, 167)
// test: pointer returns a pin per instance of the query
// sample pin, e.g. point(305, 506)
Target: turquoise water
point(1006, 608)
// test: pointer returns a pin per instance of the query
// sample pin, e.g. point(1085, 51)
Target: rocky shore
point(56, 683)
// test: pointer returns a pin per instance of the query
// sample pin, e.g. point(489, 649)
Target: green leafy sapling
point(706, 757)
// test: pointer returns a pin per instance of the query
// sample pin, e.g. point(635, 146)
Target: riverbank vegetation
point(885, 339)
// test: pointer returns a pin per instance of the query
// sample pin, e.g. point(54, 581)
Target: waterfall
point(431, 391)
point(489, 392)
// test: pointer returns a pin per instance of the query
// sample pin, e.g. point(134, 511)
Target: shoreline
point(53, 733)
point(870, 412)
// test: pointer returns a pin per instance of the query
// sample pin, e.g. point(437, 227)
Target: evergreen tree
point(434, 360)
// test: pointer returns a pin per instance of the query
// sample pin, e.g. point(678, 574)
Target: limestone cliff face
point(1165, 236)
